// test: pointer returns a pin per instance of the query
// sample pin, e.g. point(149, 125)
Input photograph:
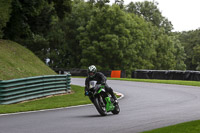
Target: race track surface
point(145, 106)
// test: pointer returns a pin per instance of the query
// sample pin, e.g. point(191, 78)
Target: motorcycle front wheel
point(100, 105)
point(116, 109)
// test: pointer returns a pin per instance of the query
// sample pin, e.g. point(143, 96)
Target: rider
point(100, 78)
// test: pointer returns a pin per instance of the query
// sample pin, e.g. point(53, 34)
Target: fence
point(167, 74)
point(18, 90)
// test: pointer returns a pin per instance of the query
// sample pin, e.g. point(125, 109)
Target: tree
point(62, 7)
point(72, 26)
point(28, 18)
point(120, 3)
point(98, 3)
point(65, 50)
point(150, 12)
point(179, 54)
point(106, 35)
point(114, 39)
point(196, 57)
point(5, 9)
point(164, 59)
point(191, 42)
point(31, 22)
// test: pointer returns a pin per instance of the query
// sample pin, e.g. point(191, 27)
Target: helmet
point(92, 71)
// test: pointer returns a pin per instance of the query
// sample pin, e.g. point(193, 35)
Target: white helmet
point(92, 71)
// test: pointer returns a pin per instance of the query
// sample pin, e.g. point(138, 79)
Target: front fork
point(109, 104)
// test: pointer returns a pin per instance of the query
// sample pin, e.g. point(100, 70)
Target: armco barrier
point(167, 74)
point(18, 90)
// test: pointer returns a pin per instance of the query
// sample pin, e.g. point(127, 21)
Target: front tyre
point(116, 109)
point(100, 105)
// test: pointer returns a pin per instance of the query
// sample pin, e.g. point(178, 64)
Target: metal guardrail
point(18, 90)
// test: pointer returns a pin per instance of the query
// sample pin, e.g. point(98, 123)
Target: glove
point(86, 93)
point(103, 84)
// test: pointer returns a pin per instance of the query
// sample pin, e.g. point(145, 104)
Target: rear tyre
point(100, 105)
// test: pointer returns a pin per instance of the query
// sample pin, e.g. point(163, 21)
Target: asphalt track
point(145, 106)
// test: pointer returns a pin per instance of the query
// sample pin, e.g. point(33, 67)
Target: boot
point(115, 98)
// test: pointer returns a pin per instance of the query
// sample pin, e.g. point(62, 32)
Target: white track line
point(45, 110)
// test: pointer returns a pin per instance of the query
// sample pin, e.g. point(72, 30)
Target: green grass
point(188, 127)
point(178, 82)
point(18, 62)
point(77, 98)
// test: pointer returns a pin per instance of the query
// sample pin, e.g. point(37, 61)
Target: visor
point(91, 74)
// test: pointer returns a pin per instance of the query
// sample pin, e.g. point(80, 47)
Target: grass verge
point(178, 82)
point(67, 100)
point(188, 127)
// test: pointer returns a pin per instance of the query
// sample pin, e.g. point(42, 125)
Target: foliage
point(150, 12)
point(107, 34)
point(62, 7)
point(5, 9)
point(179, 53)
point(31, 22)
point(191, 43)
point(170, 53)
point(195, 58)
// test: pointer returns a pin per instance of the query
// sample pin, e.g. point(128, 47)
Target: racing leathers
point(101, 79)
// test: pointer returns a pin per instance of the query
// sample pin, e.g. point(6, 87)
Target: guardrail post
point(0, 90)
point(68, 83)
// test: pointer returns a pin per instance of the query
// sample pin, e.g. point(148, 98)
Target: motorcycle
point(101, 99)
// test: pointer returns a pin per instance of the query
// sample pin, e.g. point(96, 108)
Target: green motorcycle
point(102, 100)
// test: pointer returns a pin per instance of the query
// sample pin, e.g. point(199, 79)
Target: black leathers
point(101, 79)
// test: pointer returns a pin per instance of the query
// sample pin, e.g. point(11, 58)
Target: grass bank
point(18, 62)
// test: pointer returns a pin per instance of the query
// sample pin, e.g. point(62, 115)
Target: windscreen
point(92, 84)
